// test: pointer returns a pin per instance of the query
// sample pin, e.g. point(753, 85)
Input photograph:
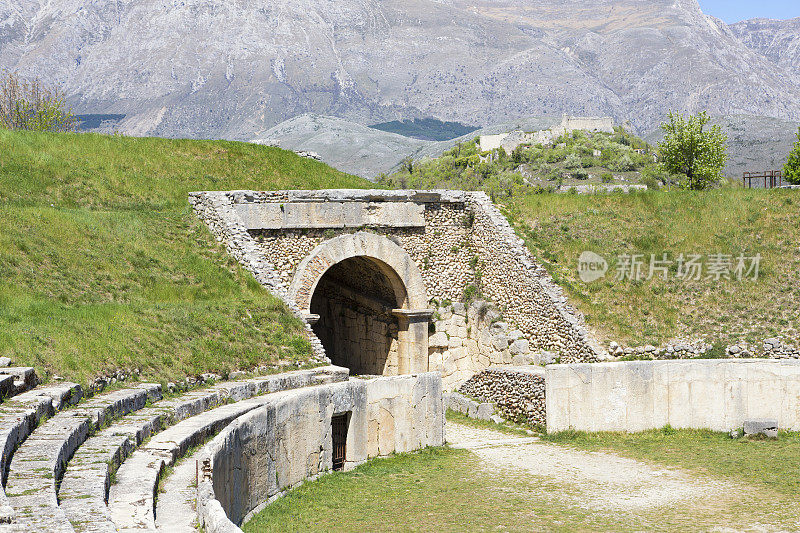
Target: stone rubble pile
point(517, 392)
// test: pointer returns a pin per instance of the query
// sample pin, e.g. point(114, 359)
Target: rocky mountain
point(234, 69)
point(777, 40)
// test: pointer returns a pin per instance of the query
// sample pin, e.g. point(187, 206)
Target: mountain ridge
point(207, 68)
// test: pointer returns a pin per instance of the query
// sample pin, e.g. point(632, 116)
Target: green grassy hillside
point(104, 265)
point(729, 221)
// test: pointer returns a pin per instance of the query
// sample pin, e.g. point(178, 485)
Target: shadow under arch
point(366, 300)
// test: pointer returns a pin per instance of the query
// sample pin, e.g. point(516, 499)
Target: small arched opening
point(366, 301)
point(355, 300)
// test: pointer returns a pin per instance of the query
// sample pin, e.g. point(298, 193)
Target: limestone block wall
point(469, 338)
point(278, 446)
point(362, 328)
point(716, 394)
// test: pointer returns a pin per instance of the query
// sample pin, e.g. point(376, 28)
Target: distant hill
point(345, 145)
point(755, 143)
point(426, 129)
point(368, 152)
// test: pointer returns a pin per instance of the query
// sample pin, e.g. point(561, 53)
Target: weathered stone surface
point(522, 360)
point(288, 440)
point(38, 465)
point(716, 394)
point(85, 486)
point(767, 427)
point(460, 403)
point(519, 346)
point(331, 214)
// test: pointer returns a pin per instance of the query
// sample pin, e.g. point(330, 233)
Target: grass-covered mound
point(558, 228)
point(575, 159)
point(104, 265)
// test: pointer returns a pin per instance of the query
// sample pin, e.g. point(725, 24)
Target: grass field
point(558, 228)
point(104, 265)
point(772, 464)
point(453, 490)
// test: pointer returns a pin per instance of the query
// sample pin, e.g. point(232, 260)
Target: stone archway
point(365, 298)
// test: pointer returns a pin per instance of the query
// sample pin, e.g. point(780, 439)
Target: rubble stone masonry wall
point(460, 243)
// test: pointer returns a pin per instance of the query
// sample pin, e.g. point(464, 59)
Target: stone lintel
point(311, 318)
point(331, 214)
point(414, 315)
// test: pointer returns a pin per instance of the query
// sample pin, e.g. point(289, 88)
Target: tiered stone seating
point(22, 414)
point(38, 465)
point(60, 476)
point(175, 506)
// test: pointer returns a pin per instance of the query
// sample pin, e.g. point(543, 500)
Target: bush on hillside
point(580, 174)
point(791, 170)
point(623, 164)
point(690, 149)
point(572, 161)
point(29, 105)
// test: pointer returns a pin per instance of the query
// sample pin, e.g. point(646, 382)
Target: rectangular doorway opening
point(339, 425)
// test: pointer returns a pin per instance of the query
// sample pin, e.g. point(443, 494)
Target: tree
point(690, 150)
point(791, 171)
point(29, 105)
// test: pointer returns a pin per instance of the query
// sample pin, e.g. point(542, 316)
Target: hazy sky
point(736, 10)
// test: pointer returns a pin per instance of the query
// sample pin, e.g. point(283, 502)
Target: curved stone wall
point(289, 440)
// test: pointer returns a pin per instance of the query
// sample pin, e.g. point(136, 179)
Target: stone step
point(24, 377)
point(38, 465)
point(176, 510)
point(132, 499)
point(7, 386)
point(84, 491)
point(19, 416)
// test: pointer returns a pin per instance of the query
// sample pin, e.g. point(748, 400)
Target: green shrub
point(29, 105)
point(580, 174)
point(606, 177)
point(691, 150)
point(792, 168)
point(572, 161)
point(651, 182)
point(623, 164)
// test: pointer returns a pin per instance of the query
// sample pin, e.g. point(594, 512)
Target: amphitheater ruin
point(407, 296)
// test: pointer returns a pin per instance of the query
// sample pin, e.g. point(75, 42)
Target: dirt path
point(593, 480)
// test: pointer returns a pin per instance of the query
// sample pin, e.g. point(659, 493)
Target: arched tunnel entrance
point(366, 301)
point(356, 301)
